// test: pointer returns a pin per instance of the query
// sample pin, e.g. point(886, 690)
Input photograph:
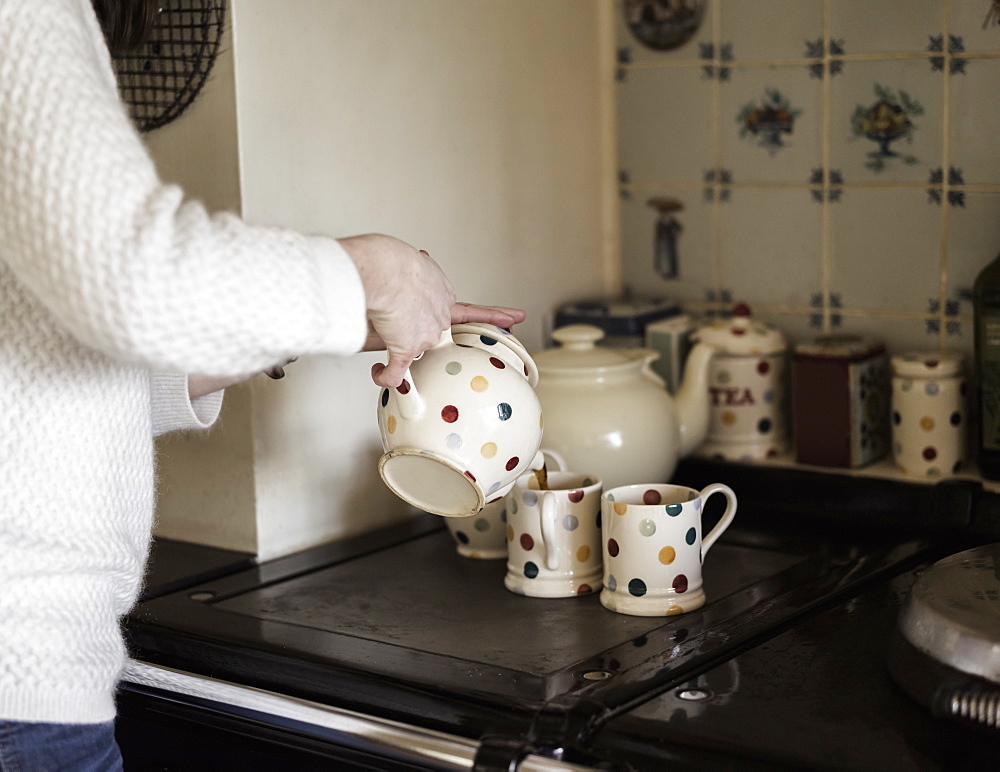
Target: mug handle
point(411, 404)
point(727, 516)
point(560, 462)
point(549, 511)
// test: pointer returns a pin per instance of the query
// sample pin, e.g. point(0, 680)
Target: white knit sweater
point(106, 276)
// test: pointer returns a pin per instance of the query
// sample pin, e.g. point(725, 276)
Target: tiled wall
point(817, 226)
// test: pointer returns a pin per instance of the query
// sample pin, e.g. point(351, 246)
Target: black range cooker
point(390, 651)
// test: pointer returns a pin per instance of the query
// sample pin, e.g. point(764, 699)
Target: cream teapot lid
point(741, 335)
point(578, 350)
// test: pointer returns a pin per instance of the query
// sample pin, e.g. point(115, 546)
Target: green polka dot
point(482, 524)
point(906, 384)
point(723, 376)
point(690, 536)
point(647, 527)
point(453, 368)
point(674, 509)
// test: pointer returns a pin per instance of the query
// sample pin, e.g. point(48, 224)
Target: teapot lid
point(578, 350)
point(741, 335)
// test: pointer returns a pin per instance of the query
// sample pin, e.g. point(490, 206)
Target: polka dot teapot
point(464, 424)
point(607, 413)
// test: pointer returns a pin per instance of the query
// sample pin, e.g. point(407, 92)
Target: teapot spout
point(692, 399)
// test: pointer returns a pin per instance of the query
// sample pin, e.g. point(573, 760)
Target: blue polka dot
point(674, 509)
point(385, 398)
point(931, 388)
point(691, 535)
point(769, 396)
point(530, 570)
point(504, 411)
point(494, 487)
point(530, 498)
point(487, 341)
point(764, 425)
point(637, 587)
point(570, 523)
point(453, 441)
point(612, 583)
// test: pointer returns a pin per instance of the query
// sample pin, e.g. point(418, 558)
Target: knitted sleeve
point(173, 410)
point(120, 258)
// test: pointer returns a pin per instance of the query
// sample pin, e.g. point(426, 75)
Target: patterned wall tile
point(901, 335)
point(975, 122)
point(643, 16)
point(885, 250)
point(665, 124)
point(756, 247)
point(967, 19)
point(772, 124)
point(770, 29)
point(973, 241)
point(694, 246)
point(880, 26)
point(885, 121)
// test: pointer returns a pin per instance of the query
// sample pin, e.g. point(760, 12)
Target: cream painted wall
point(478, 130)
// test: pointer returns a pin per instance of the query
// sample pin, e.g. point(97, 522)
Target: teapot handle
point(411, 404)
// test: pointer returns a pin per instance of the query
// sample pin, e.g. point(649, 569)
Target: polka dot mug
point(554, 536)
point(653, 547)
point(464, 424)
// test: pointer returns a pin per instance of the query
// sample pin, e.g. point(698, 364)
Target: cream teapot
point(606, 412)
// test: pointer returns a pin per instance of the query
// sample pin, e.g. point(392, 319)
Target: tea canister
point(746, 388)
point(840, 401)
point(928, 413)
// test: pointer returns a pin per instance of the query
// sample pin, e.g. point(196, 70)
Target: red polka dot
point(404, 387)
point(763, 367)
point(680, 583)
point(576, 496)
point(497, 363)
point(651, 497)
point(511, 463)
point(930, 453)
point(612, 548)
point(527, 543)
point(931, 363)
point(449, 413)
point(738, 331)
point(583, 589)
point(470, 475)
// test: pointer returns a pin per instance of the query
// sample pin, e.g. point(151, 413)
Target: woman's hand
point(500, 316)
point(408, 296)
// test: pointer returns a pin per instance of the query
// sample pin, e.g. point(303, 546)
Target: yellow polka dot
point(479, 383)
point(583, 554)
point(510, 533)
point(620, 508)
point(390, 424)
point(667, 555)
point(927, 423)
point(541, 423)
point(674, 610)
point(489, 450)
point(729, 418)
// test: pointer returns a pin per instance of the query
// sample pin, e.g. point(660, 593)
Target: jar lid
point(840, 347)
point(927, 364)
point(741, 335)
point(578, 350)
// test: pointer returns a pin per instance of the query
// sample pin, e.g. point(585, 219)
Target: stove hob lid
point(953, 613)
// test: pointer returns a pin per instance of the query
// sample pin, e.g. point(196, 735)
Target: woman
point(113, 289)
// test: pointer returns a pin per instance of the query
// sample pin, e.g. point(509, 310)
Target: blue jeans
point(31, 747)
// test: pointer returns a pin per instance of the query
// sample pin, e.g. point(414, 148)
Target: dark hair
point(127, 24)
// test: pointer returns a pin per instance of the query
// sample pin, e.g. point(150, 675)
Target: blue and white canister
point(929, 413)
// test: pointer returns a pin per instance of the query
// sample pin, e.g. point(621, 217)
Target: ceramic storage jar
point(928, 413)
point(747, 386)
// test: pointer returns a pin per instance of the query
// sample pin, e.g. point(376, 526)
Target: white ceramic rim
point(480, 498)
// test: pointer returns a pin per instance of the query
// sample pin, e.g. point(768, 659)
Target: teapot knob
point(577, 337)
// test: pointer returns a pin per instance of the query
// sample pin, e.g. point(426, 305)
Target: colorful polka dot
point(404, 387)
point(530, 570)
point(955, 418)
point(513, 506)
point(583, 554)
point(929, 453)
point(504, 411)
point(763, 367)
point(479, 383)
point(510, 533)
point(764, 425)
point(611, 583)
point(575, 496)
point(453, 368)
point(647, 527)
point(482, 524)
point(390, 424)
point(674, 610)
point(728, 417)
point(651, 497)
point(449, 414)
point(691, 535)
point(470, 475)
point(527, 542)
point(620, 507)
point(462, 537)
point(488, 450)
point(680, 583)
point(927, 423)
point(896, 417)
point(453, 441)
point(723, 376)
point(613, 548)
point(530, 498)
point(637, 587)
point(931, 389)
point(385, 397)
point(667, 555)
point(674, 509)
point(487, 341)
point(498, 363)
point(512, 463)
point(697, 502)
point(584, 589)
point(570, 522)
